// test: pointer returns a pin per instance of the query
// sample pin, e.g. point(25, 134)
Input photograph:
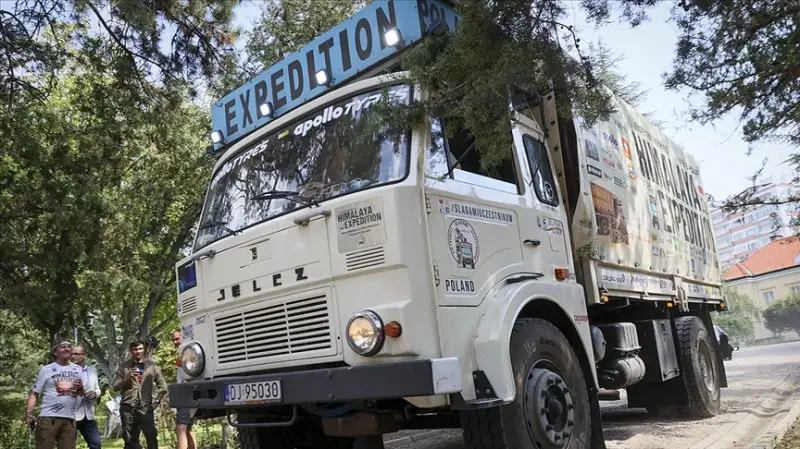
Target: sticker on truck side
point(360, 225)
point(464, 244)
point(474, 211)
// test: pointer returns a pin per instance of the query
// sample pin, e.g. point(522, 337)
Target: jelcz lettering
point(235, 290)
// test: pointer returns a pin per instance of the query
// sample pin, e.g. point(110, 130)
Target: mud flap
point(598, 439)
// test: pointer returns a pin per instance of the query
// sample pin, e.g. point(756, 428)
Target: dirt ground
point(792, 438)
point(752, 375)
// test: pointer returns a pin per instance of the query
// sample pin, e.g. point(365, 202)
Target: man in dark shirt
point(143, 387)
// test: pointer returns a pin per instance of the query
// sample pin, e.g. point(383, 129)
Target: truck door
point(544, 229)
point(474, 216)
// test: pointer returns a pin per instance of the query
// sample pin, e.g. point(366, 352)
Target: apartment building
point(740, 234)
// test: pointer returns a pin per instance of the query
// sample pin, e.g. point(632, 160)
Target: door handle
point(304, 219)
point(533, 243)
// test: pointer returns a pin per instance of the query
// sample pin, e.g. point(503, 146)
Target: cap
point(60, 344)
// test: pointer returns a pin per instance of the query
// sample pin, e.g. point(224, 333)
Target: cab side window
point(544, 183)
point(445, 153)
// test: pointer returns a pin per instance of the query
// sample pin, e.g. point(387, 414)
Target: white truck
point(345, 284)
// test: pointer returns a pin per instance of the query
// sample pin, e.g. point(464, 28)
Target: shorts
point(185, 416)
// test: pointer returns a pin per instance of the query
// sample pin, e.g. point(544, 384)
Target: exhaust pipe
point(608, 395)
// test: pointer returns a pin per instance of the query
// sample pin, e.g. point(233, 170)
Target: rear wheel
point(700, 372)
point(551, 407)
point(701, 368)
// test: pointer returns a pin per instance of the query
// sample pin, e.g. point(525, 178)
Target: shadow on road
point(618, 434)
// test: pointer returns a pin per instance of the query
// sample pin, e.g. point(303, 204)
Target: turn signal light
point(393, 329)
point(562, 273)
point(669, 305)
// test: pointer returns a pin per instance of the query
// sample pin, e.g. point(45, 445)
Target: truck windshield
point(333, 151)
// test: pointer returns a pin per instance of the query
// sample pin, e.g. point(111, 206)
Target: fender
point(502, 307)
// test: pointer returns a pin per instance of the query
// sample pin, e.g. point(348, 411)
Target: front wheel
point(551, 408)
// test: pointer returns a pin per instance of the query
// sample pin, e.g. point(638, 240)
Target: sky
point(647, 52)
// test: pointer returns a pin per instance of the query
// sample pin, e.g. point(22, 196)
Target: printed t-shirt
point(138, 371)
point(54, 384)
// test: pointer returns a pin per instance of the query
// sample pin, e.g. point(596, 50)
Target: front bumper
point(351, 383)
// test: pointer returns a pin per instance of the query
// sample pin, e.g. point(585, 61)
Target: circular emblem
point(464, 245)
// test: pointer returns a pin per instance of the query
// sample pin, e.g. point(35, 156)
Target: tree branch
point(124, 47)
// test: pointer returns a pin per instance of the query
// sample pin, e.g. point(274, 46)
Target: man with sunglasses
point(84, 416)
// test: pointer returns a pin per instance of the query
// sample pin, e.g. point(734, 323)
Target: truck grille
point(292, 327)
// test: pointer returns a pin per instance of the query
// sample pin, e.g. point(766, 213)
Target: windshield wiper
point(285, 194)
point(217, 224)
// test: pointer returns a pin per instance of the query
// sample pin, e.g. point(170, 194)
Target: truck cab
point(350, 278)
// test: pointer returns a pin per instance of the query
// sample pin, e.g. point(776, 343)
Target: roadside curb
point(762, 417)
point(773, 437)
point(411, 438)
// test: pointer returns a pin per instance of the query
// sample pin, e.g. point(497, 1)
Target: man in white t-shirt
point(185, 418)
point(59, 384)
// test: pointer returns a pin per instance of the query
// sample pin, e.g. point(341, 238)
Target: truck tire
point(700, 368)
point(551, 407)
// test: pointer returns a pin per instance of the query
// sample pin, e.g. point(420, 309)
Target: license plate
point(253, 392)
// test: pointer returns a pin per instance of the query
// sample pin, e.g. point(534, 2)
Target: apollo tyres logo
point(464, 245)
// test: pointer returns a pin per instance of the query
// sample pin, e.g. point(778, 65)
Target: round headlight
point(193, 360)
point(365, 333)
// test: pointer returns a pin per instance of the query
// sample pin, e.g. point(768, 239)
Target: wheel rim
point(549, 410)
point(706, 367)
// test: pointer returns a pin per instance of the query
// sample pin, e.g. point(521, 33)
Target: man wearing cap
point(84, 416)
point(59, 384)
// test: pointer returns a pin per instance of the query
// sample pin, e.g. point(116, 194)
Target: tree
point(101, 190)
point(737, 321)
point(605, 61)
point(742, 58)
point(151, 213)
point(198, 32)
point(783, 315)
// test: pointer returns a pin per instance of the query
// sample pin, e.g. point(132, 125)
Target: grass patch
point(208, 434)
point(791, 440)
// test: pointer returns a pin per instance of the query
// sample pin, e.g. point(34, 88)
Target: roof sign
point(350, 48)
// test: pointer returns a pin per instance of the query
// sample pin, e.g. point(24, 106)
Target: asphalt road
point(753, 376)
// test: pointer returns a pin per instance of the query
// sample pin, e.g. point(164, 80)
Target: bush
point(739, 328)
point(783, 315)
point(13, 430)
